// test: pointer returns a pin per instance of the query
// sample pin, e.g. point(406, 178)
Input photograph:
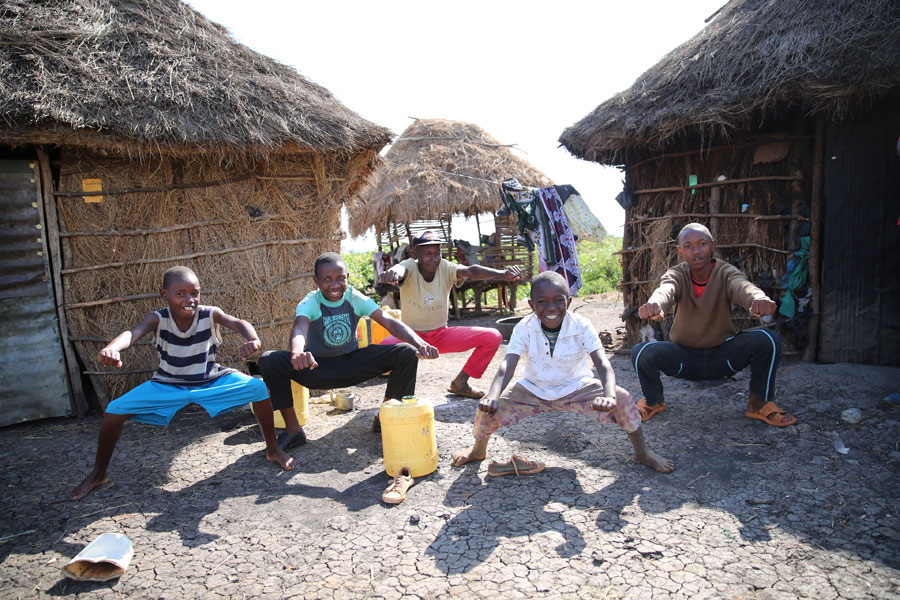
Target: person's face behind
point(549, 302)
point(332, 280)
point(183, 298)
point(429, 258)
point(697, 249)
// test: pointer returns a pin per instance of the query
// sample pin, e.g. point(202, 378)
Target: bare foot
point(282, 458)
point(656, 462)
point(468, 455)
point(89, 484)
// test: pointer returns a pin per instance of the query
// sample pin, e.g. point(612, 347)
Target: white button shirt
point(568, 369)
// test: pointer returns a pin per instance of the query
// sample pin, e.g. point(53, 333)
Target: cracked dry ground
point(751, 511)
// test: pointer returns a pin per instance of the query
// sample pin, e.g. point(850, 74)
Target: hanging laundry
point(559, 249)
point(584, 224)
point(539, 212)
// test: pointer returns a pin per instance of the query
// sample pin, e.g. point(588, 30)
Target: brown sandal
point(517, 466)
point(466, 392)
point(648, 411)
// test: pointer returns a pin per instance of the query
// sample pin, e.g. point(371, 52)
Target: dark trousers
point(341, 371)
point(759, 348)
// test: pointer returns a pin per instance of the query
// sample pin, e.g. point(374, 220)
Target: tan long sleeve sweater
point(704, 322)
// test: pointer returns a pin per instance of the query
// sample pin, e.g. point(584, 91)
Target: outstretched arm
point(608, 378)
point(299, 358)
point(481, 273)
point(395, 275)
point(242, 327)
point(661, 299)
point(109, 355)
point(404, 333)
point(501, 379)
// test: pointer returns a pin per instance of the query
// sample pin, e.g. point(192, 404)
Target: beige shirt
point(424, 304)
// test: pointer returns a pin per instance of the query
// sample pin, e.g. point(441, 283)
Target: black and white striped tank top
point(188, 357)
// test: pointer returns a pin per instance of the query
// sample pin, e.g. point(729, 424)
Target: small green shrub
point(361, 272)
point(601, 270)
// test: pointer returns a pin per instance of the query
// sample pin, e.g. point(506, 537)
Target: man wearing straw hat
point(425, 282)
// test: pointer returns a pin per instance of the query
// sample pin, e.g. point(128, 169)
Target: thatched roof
point(439, 167)
point(756, 59)
point(152, 75)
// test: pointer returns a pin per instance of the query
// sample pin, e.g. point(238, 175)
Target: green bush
point(601, 270)
point(361, 272)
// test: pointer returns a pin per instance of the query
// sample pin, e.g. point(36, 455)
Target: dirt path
point(752, 511)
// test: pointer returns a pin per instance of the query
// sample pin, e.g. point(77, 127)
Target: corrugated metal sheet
point(32, 373)
point(861, 260)
point(22, 271)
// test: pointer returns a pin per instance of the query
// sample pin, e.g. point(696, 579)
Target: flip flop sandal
point(517, 466)
point(286, 440)
point(396, 492)
point(466, 392)
point(767, 414)
point(648, 411)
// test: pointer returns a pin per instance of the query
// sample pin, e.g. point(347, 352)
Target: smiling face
point(429, 259)
point(549, 301)
point(696, 247)
point(183, 298)
point(332, 280)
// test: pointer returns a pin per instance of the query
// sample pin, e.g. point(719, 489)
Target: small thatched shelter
point(135, 136)
point(775, 123)
point(439, 168)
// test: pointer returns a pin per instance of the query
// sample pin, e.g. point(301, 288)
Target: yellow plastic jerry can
point(301, 405)
point(379, 332)
point(362, 332)
point(407, 436)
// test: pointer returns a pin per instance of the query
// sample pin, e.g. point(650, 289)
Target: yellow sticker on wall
point(92, 185)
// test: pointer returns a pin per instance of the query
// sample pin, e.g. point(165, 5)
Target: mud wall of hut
point(251, 233)
point(753, 195)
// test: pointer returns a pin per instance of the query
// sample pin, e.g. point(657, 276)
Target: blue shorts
point(156, 403)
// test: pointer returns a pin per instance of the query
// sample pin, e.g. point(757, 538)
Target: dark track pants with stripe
point(342, 371)
point(759, 348)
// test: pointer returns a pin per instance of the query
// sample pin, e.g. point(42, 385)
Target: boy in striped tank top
point(186, 339)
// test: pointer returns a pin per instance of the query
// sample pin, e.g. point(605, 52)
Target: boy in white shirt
point(556, 377)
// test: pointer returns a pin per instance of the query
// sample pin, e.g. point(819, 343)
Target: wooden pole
point(79, 402)
point(815, 255)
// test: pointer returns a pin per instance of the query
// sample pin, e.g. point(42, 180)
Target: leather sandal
point(517, 466)
point(647, 411)
point(772, 415)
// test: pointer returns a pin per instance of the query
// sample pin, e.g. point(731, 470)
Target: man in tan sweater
point(704, 342)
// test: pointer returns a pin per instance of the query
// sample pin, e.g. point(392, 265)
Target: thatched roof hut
point(152, 139)
point(439, 167)
point(776, 122)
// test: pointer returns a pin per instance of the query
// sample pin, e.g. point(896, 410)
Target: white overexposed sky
point(523, 71)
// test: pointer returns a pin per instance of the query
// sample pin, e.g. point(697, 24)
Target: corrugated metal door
point(861, 259)
point(32, 371)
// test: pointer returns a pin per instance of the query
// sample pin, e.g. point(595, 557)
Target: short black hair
point(327, 259)
point(549, 277)
point(178, 273)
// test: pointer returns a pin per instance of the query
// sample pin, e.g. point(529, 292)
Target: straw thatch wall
point(435, 168)
point(755, 211)
point(250, 235)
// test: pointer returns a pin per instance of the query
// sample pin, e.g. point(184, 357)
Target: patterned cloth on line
point(582, 221)
point(556, 242)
